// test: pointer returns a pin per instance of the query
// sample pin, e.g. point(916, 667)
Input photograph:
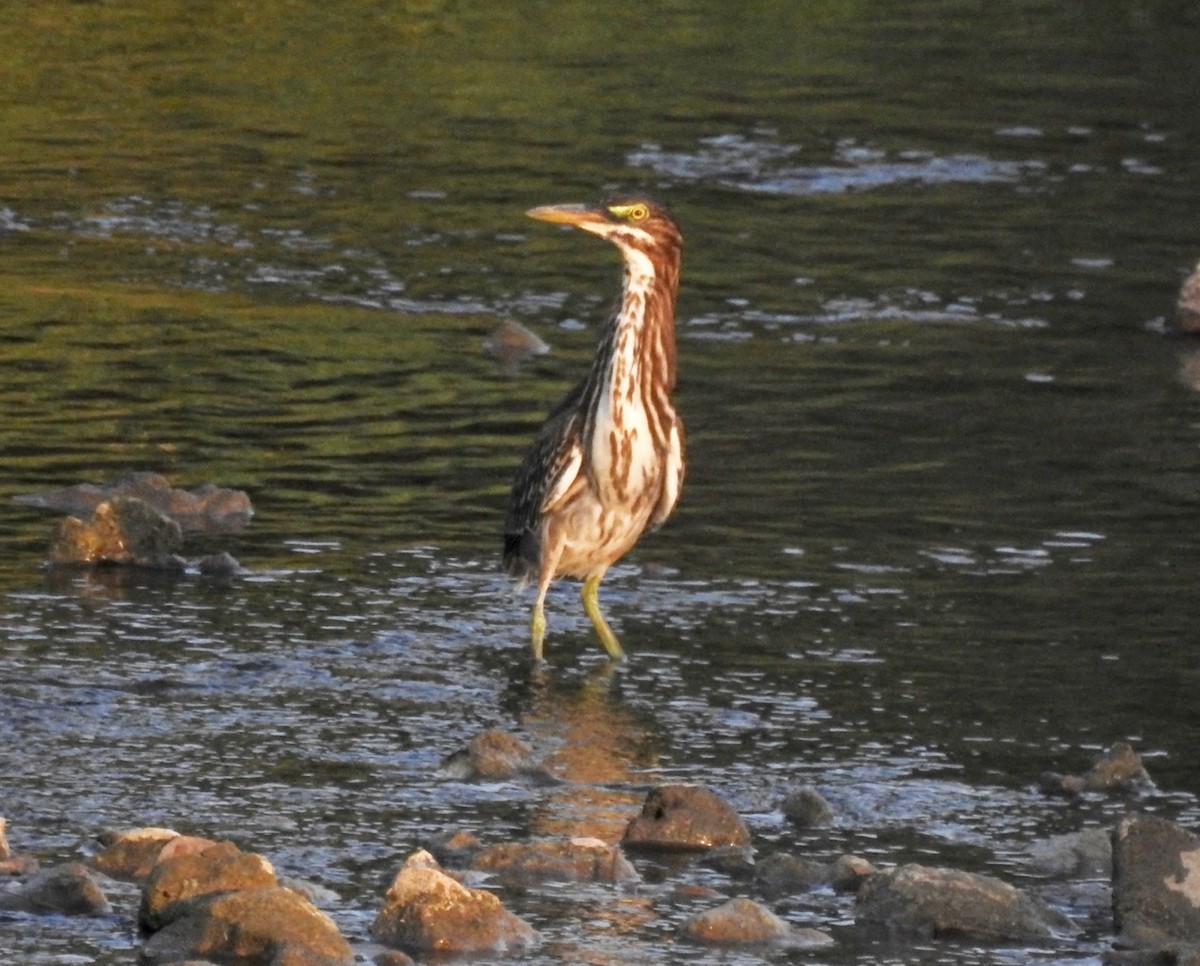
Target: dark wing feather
point(548, 468)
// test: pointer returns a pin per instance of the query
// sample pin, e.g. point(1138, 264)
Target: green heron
point(607, 465)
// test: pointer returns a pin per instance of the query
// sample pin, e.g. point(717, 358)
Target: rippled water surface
point(938, 531)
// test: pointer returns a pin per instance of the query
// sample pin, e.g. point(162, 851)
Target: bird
point(608, 463)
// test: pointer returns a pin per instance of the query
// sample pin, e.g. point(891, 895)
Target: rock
point(848, 872)
point(555, 860)
point(208, 508)
point(735, 861)
point(131, 855)
point(220, 868)
point(1076, 855)
point(219, 568)
point(1156, 882)
point(68, 890)
point(806, 807)
point(495, 756)
point(685, 817)
point(780, 875)
point(454, 847)
point(1187, 308)
point(14, 864)
point(743, 921)
point(426, 911)
point(393, 957)
point(19, 865)
point(924, 903)
point(1120, 770)
point(123, 531)
point(512, 345)
point(184, 845)
point(271, 926)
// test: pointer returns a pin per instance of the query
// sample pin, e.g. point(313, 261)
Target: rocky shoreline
point(195, 900)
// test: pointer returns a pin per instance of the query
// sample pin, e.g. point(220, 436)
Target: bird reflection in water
point(602, 751)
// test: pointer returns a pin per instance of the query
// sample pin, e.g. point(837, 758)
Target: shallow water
point(935, 537)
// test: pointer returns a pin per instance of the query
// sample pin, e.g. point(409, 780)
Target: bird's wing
point(544, 478)
point(672, 477)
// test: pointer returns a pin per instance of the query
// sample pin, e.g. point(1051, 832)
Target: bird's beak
point(581, 216)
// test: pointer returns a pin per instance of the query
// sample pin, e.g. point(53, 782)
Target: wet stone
point(806, 807)
point(1156, 883)
point(735, 861)
point(11, 864)
point(1075, 855)
point(780, 875)
point(129, 856)
point(1119, 771)
point(122, 531)
point(495, 756)
point(685, 817)
point(207, 508)
point(68, 890)
point(555, 860)
point(454, 848)
point(927, 903)
point(219, 868)
point(427, 911)
point(270, 925)
point(744, 921)
point(512, 345)
point(848, 872)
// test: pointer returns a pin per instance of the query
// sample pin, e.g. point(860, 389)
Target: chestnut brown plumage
point(607, 465)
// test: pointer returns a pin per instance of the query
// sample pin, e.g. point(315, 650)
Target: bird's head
point(633, 223)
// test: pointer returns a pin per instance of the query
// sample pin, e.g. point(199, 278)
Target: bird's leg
point(591, 604)
point(538, 627)
point(537, 623)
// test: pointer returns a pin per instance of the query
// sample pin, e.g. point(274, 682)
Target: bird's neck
point(641, 338)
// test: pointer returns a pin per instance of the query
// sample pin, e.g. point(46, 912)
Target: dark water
point(938, 530)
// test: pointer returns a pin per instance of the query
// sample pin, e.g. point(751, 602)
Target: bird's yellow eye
point(634, 212)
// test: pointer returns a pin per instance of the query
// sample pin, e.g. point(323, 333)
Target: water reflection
point(602, 749)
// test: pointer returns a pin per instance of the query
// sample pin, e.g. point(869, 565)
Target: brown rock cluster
point(139, 520)
point(206, 900)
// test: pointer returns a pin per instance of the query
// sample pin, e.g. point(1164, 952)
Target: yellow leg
point(591, 604)
point(537, 625)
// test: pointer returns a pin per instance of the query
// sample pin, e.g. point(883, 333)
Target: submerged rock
point(207, 508)
point(928, 903)
point(269, 925)
point(806, 807)
point(1075, 855)
point(848, 872)
point(685, 817)
point(427, 911)
point(555, 860)
point(67, 890)
point(454, 847)
point(780, 874)
point(512, 345)
point(743, 921)
point(495, 756)
point(1120, 770)
point(130, 855)
point(122, 531)
point(1156, 883)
